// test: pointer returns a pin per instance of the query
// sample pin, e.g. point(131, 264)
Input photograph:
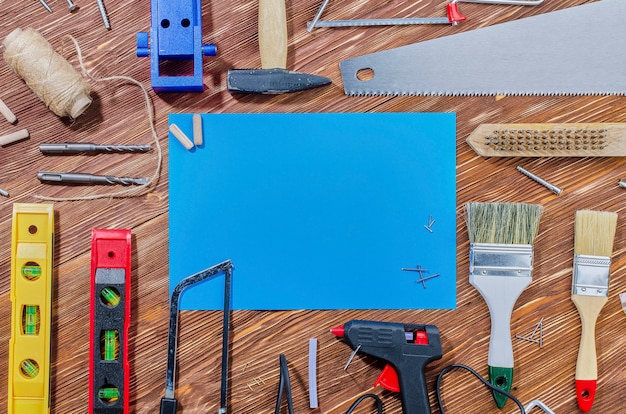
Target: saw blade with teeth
point(572, 51)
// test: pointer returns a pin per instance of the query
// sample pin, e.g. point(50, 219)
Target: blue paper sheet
point(316, 211)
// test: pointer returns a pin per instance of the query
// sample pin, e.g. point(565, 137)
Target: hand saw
point(565, 52)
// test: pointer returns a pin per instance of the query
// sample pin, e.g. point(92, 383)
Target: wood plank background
point(117, 116)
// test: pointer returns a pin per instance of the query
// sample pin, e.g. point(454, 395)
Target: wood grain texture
point(117, 116)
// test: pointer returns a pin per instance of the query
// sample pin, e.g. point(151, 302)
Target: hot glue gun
point(406, 349)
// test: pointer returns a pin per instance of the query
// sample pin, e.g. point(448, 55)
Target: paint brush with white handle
point(501, 262)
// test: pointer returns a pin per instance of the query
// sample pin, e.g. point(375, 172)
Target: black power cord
point(477, 375)
point(379, 403)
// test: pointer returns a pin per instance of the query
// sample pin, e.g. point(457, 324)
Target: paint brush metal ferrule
point(489, 259)
point(591, 275)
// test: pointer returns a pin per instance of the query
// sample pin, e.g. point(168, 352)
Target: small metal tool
point(49, 177)
point(68, 148)
point(312, 24)
point(44, 4)
point(622, 183)
point(103, 12)
point(169, 403)
point(454, 17)
point(272, 78)
point(531, 337)
point(429, 226)
point(352, 355)
point(538, 404)
point(541, 181)
point(420, 270)
point(72, 6)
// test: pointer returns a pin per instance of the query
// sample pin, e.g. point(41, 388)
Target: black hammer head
point(271, 81)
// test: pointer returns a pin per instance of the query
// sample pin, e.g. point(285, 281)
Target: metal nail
point(73, 7)
point(428, 226)
point(44, 4)
point(424, 279)
point(538, 327)
point(541, 181)
point(419, 269)
point(345, 368)
point(311, 25)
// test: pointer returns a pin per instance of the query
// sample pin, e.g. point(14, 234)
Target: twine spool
point(47, 74)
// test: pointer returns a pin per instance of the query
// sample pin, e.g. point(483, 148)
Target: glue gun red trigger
point(388, 378)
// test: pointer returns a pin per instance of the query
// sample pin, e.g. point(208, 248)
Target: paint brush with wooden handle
point(501, 261)
point(549, 140)
point(593, 245)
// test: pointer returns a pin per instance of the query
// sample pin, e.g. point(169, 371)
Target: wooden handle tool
point(593, 245)
point(273, 77)
point(273, 34)
point(549, 140)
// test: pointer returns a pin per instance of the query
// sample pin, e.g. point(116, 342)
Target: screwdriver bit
point(49, 177)
point(67, 148)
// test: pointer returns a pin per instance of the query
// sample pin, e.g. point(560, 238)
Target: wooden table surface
point(118, 116)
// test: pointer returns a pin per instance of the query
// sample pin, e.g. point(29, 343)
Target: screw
point(103, 12)
point(73, 7)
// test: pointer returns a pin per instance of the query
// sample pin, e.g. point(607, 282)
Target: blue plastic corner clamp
point(174, 42)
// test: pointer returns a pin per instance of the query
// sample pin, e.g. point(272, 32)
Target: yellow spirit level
point(31, 299)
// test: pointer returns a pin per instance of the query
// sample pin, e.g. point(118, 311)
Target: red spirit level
point(110, 319)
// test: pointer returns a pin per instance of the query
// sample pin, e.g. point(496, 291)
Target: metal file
point(566, 52)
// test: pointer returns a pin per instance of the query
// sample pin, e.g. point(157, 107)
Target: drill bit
point(49, 177)
point(68, 148)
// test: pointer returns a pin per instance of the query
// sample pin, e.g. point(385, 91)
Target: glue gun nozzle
point(338, 331)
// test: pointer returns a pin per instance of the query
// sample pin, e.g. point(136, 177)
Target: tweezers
point(285, 384)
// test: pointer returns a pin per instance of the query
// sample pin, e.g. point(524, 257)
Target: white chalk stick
point(180, 136)
point(197, 129)
point(14, 137)
point(4, 110)
point(313, 373)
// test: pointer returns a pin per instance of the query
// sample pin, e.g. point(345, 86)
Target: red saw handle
point(454, 15)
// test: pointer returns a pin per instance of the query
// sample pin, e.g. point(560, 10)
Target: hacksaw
point(566, 52)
